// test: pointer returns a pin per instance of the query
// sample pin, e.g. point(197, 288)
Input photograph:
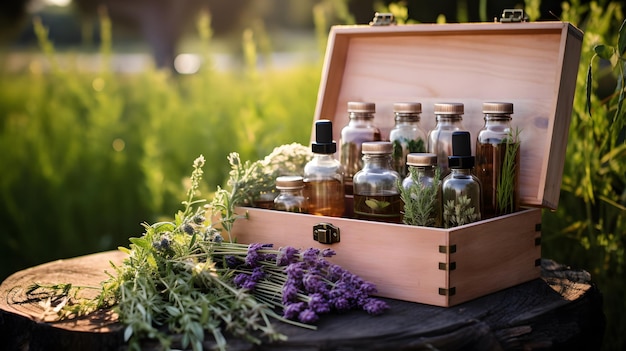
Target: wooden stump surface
point(562, 310)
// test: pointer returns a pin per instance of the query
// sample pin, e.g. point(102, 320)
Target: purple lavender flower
point(313, 282)
point(240, 279)
point(310, 256)
point(231, 261)
point(287, 256)
point(308, 316)
point(257, 274)
point(328, 252)
point(253, 257)
point(295, 271)
point(375, 306)
point(318, 303)
point(292, 311)
point(341, 304)
point(290, 293)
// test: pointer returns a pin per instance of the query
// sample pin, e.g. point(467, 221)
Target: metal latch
point(513, 15)
point(383, 19)
point(325, 233)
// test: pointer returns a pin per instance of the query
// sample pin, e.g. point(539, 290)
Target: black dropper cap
point(461, 151)
point(324, 143)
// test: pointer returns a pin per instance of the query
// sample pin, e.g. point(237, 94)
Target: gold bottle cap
point(449, 108)
point(421, 159)
point(289, 182)
point(376, 147)
point(498, 107)
point(358, 106)
point(407, 107)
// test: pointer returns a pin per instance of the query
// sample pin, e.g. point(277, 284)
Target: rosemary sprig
point(421, 201)
point(505, 188)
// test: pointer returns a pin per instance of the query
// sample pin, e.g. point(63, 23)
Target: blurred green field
point(86, 156)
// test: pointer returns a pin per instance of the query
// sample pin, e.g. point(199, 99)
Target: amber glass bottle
point(376, 193)
point(323, 175)
point(360, 129)
point(497, 160)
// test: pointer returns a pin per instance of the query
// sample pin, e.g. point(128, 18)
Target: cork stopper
point(449, 108)
point(421, 159)
point(376, 147)
point(289, 182)
point(407, 107)
point(361, 107)
point(498, 108)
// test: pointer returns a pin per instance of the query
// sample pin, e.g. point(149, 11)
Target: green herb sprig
point(505, 188)
point(421, 201)
point(459, 212)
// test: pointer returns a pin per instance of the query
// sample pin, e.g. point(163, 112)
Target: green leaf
point(621, 40)
point(141, 242)
point(589, 85)
point(604, 51)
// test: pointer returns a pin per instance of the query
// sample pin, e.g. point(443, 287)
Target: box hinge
point(447, 267)
point(513, 16)
point(326, 233)
point(447, 249)
point(383, 19)
point(447, 292)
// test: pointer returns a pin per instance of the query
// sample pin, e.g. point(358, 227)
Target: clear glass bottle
point(291, 197)
point(376, 192)
point(407, 135)
point(461, 190)
point(497, 160)
point(449, 119)
point(360, 129)
point(421, 191)
point(323, 175)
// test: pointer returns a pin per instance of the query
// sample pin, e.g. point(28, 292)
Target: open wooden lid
point(532, 65)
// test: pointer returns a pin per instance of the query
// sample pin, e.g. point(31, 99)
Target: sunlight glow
point(58, 2)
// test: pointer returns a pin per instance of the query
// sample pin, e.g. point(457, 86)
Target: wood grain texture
point(499, 252)
point(563, 310)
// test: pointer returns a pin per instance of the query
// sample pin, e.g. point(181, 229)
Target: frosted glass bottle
point(461, 190)
point(422, 191)
point(291, 197)
point(407, 135)
point(376, 193)
point(449, 119)
point(323, 175)
point(360, 129)
point(497, 160)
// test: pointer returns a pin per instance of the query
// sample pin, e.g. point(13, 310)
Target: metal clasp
point(513, 15)
point(325, 233)
point(383, 19)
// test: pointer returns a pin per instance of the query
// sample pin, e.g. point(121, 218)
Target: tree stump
point(562, 310)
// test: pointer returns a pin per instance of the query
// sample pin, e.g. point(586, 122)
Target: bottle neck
point(361, 118)
point(493, 119)
point(407, 118)
point(377, 161)
point(449, 119)
point(461, 172)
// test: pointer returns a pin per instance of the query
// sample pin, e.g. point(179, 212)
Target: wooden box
point(532, 65)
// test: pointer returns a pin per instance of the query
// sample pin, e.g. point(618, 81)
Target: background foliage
point(87, 156)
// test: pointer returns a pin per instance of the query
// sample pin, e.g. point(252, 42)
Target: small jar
point(376, 192)
point(407, 135)
point(497, 160)
point(421, 191)
point(291, 197)
point(449, 119)
point(461, 191)
point(360, 129)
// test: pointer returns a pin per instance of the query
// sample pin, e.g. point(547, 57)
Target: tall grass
point(86, 157)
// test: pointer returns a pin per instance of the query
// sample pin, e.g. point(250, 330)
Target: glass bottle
point(376, 192)
point(461, 190)
point(497, 160)
point(421, 191)
point(291, 197)
point(323, 175)
point(407, 135)
point(449, 119)
point(360, 129)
